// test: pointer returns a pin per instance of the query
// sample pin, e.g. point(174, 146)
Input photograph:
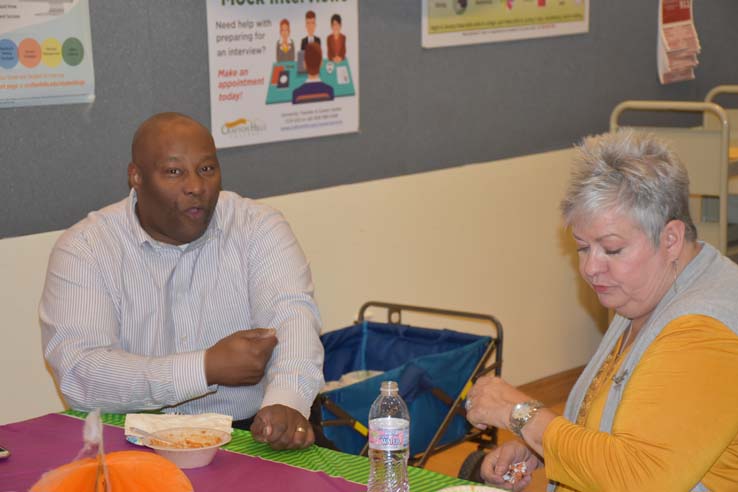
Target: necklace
point(602, 375)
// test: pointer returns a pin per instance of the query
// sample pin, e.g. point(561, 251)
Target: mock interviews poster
point(282, 70)
point(45, 53)
point(458, 22)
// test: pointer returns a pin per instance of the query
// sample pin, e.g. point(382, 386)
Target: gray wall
point(420, 109)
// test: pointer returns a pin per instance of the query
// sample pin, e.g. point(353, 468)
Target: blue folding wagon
point(435, 368)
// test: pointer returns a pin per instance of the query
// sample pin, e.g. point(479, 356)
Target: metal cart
point(435, 369)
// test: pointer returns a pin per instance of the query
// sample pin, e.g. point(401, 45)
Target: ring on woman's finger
point(300, 429)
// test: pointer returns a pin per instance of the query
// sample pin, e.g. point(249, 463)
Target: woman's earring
point(674, 284)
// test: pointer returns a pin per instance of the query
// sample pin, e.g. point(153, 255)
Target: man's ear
point(134, 176)
point(673, 237)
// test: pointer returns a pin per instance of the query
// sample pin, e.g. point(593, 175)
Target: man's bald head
point(150, 131)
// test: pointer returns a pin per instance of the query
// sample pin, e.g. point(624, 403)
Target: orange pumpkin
point(137, 471)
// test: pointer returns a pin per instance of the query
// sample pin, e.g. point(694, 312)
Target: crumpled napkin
point(349, 378)
point(156, 422)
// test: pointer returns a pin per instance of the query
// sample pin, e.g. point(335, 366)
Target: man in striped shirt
point(185, 297)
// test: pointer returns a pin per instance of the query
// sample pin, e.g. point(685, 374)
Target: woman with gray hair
point(656, 407)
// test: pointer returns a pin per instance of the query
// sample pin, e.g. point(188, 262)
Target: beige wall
point(26, 388)
point(482, 237)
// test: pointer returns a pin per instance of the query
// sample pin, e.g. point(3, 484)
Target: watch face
point(520, 411)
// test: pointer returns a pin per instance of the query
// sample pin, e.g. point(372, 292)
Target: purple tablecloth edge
point(32, 455)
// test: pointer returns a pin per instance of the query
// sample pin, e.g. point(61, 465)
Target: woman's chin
point(608, 301)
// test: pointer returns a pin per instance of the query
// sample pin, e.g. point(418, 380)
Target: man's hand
point(282, 427)
point(240, 358)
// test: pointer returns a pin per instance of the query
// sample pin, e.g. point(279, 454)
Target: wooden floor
point(552, 391)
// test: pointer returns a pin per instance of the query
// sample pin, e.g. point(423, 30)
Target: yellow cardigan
point(677, 422)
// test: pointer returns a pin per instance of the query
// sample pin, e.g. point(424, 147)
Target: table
point(276, 94)
point(43, 443)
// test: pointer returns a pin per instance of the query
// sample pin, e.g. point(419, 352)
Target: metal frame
point(703, 108)
point(732, 114)
point(720, 89)
point(710, 122)
point(485, 438)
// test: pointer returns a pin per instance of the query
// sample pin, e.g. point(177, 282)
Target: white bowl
point(195, 446)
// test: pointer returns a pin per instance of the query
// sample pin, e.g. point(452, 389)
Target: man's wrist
point(188, 375)
point(274, 395)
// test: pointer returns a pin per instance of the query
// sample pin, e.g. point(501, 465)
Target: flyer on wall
point(458, 22)
point(45, 53)
point(282, 70)
point(678, 44)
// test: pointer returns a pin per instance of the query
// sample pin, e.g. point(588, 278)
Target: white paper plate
point(472, 488)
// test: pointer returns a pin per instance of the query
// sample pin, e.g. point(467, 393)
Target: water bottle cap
point(389, 387)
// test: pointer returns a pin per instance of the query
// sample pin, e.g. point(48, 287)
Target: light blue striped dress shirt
point(126, 319)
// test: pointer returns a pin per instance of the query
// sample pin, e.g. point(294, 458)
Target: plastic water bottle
point(389, 441)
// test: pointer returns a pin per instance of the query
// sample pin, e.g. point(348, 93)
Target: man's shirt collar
point(142, 237)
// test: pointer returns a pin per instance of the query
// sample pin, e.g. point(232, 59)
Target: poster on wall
point(458, 22)
point(45, 53)
point(282, 70)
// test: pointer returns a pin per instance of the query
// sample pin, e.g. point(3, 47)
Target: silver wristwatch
point(522, 413)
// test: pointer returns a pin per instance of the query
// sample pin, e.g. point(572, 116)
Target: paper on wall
point(678, 43)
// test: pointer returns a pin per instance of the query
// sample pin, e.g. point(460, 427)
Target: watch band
point(522, 413)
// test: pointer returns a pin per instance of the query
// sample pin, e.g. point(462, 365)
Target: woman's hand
point(498, 461)
point(490, 402)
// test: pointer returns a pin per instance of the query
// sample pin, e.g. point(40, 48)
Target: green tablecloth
point(334, 463)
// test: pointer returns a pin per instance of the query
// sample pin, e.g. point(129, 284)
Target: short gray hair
point(631, 172)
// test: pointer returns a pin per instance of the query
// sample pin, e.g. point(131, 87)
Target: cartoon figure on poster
point(314, 89)
point(310, 23)
point(336, 41)
point(313, 74)
point(285, 46)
